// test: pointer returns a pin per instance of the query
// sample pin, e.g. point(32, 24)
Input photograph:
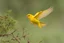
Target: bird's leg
point(33, 23)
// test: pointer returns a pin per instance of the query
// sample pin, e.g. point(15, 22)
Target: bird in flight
point(35, 19)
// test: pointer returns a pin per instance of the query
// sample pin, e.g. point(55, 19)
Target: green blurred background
point(52, 33)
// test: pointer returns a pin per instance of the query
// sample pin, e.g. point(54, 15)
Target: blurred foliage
point(6, 23)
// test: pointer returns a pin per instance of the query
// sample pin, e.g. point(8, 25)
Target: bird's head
point(29, 15)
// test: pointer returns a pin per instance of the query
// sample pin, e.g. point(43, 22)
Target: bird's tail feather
point(42, 25)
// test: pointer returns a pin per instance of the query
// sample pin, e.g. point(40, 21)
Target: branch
point(15, 38)
point(24, 35)
point(28, 41)
point(2, 35)
point(40, 41)
point(12, 36)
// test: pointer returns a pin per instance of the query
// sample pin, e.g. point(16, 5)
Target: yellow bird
point(35, 19)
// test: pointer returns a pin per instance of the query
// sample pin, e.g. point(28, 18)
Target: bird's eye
point(28, 15)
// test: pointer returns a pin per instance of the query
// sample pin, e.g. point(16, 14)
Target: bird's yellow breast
point(34, 21)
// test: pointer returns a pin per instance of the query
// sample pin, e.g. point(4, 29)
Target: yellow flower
point(35, 19)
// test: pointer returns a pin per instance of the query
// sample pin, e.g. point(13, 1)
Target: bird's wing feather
point(43, 14)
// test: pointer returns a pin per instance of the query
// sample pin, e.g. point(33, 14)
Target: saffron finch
point(35, 19)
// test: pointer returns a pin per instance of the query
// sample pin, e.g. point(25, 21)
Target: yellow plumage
point(35, 19)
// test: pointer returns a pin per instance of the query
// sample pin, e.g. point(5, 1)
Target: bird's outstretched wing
point(44, 13)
